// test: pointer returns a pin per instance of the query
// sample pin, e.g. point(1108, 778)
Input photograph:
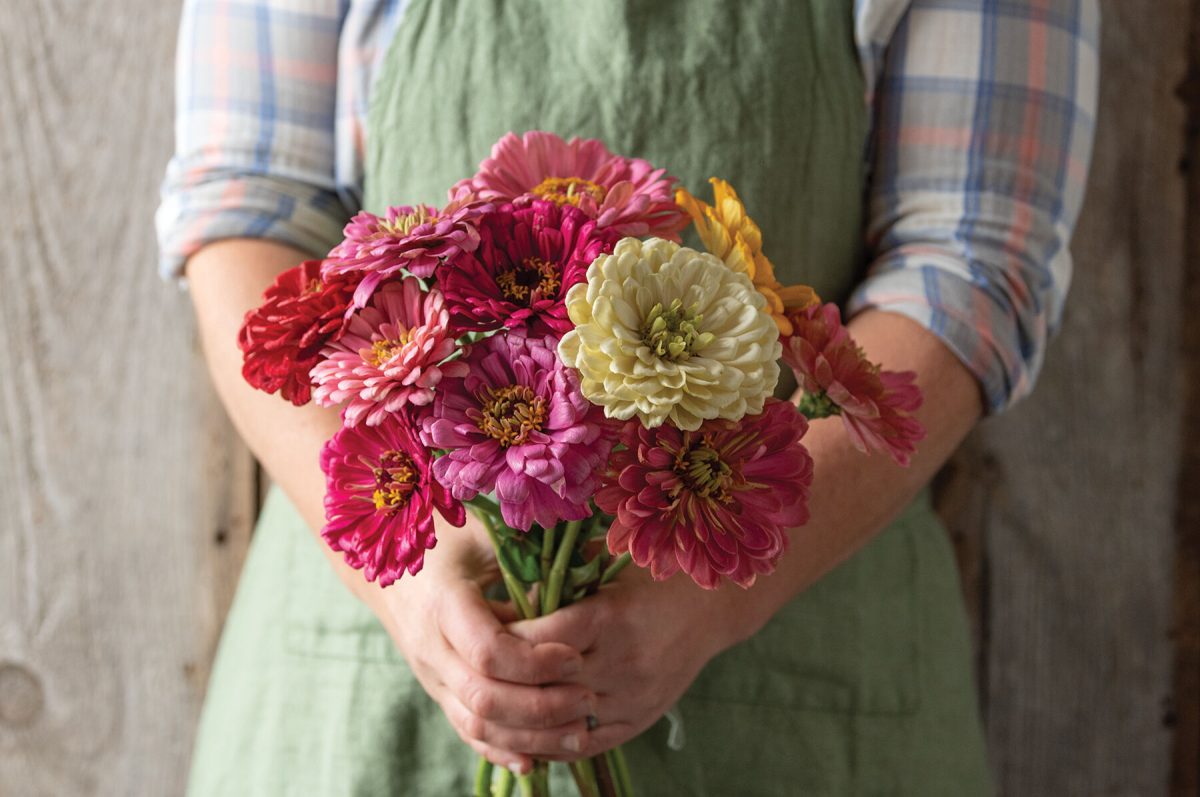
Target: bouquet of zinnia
point(543, 350)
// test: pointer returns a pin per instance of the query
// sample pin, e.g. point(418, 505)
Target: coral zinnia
point(838, 379)
point(517, 425)
point(415, 238)
point(380, 499)
point(667, 333)
point(715, 502)
point(730, 234)
point(526, 261)
point(281, 339)
point(625, 194)
point(392, 354)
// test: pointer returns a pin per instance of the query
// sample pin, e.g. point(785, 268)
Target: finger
point(470, 627)
point(504, 611)
point(517, 705)
point(514, 762)
point(600, 740)
point(571, 738)
point(576, 626)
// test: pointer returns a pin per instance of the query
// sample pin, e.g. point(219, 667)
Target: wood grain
point(118, 471)
point(1068, 500)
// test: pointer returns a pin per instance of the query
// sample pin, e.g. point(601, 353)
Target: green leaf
point(520, 560)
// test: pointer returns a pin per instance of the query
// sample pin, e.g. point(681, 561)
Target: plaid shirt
point(982, 121)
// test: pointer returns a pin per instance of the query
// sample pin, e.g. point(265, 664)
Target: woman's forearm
point(855, 496)
point(227, 278)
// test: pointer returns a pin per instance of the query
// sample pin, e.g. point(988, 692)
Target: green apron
point(862, 685)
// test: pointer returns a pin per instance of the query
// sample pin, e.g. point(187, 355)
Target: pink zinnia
point(518, 426)
point(392, 355)
point(714, 502)
point(627, 195)
point(380, 497)
point(838, 379)
point(281, 339)
point(519, 275)
point(415, 238)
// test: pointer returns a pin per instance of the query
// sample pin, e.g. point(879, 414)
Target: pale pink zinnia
point(380, 499)
point(518, 426)
point(393, 354)
point(716, 502)
point(876, 406)
point(414, 238)
point(627, 195)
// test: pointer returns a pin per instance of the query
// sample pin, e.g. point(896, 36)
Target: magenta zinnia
point(876, 406)
point(281, 339)
point(380, 499)
point(627, 195)
point(393, 354)
point(519, 275)
point(518, 426)
point(714, 502)
point(415, 238)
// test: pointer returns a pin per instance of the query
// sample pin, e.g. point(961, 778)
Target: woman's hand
point(643, 642)
point(507, 698)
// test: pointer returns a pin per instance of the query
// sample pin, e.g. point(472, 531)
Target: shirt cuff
point(244, 206)
point(984, 331)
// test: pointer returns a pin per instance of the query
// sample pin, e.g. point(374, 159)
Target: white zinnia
point(667, 333)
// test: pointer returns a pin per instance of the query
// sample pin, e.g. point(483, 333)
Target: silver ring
point(592, 722)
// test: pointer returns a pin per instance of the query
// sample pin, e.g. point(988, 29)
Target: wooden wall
point(126, 500)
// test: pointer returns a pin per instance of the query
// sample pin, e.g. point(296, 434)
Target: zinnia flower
point(717, 501)
point(625, 194)
point(730, 234)
point(667, 333)
point(838, 379)
point(526, 261)
point(380, 499)
point(518, 426)
point(393, 354)
point(281, 339)
point(415, 238)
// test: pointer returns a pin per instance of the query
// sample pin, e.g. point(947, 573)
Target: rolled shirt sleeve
point(256, 98)
point(984, 117)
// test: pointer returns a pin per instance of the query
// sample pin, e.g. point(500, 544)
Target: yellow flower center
point(395, 480)
point(703, 472)
point(404, 224)
point(673, 332)
point(382, 351)
point(313, 286)
point(533, 279)
point(510, 414)
point(568, 190)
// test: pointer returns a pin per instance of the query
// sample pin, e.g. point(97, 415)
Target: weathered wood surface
point(126, 502)
point(1065, 508)
point(118, 471)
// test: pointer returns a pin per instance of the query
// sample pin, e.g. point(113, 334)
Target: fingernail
point(516, 767)
point(572, 667)
point(571, 742)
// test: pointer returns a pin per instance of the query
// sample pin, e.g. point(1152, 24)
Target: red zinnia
point(838, 379)
point(281, 340)
point(380, 496)
point(527, 260)
point(715, 502)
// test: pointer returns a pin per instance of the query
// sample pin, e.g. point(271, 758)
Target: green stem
point(621, 771)
point(604, 778)
point(585, 778)
point(504, 784)
point(548, 540)
point(558, 572)
point(614, 567)
point(516, 590)
point(483, 778)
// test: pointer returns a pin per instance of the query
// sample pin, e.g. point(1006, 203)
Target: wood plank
point(1070, 496)
point(117, 469)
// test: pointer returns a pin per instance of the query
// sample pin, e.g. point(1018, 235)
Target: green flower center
point(509, 414)
point(395, 480)
point(673, 332)
point(533, 279)
point(703, 472)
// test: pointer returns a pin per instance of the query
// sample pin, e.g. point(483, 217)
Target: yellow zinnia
point(729, 233)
